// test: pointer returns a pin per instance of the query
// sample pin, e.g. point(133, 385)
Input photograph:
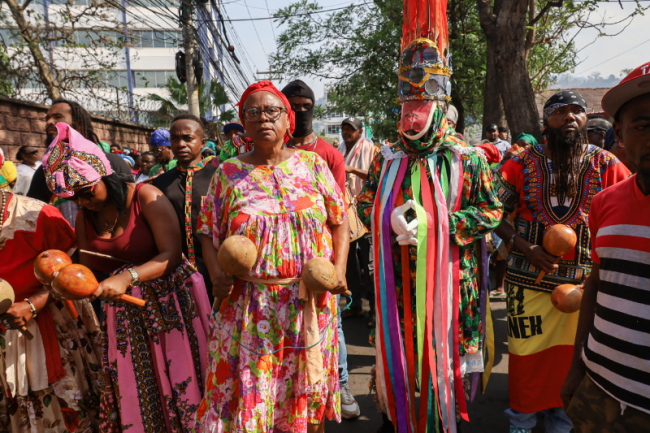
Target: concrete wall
point(23, 123)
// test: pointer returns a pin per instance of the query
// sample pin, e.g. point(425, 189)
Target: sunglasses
point(160, 149)
point(86, 195)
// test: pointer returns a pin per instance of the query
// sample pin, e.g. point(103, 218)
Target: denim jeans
point(343, 353)
point(555, 421)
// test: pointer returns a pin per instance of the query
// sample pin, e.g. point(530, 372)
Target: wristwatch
point(32, 309)
point(135, 278)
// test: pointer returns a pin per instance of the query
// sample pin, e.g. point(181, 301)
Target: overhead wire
point(258, 35)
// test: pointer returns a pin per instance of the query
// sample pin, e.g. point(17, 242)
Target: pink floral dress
point(261, 385)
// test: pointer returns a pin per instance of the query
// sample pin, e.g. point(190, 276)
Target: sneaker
point(349, 406)
point(514, 429)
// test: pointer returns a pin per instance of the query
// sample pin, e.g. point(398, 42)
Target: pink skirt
point(155, 357)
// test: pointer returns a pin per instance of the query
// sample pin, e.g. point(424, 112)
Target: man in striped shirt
point(608, 386)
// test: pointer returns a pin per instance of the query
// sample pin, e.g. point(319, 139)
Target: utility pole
point(129, 73)
point(272, 75)
point(188, 42)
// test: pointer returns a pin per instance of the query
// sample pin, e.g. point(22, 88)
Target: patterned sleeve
point(228, 151)
point(481, 209)
point(330, 190)
point(213, 218)
point(615, 171)
point(509, 176)
point(366, 198)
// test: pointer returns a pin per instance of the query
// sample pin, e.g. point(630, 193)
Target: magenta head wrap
point(72, 162)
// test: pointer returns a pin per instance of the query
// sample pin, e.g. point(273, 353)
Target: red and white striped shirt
point(617, 353)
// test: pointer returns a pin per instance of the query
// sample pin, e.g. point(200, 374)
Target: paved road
point(486, 412)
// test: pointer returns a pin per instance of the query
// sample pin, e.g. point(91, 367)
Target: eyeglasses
point(253, 114)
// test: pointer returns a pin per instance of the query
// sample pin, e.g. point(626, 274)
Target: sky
point(607, 55)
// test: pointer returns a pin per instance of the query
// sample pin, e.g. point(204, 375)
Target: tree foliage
point(5, 67)
point(356, 50)
point(210, 94)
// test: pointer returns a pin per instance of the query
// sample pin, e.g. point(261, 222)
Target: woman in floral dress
point(288, 204)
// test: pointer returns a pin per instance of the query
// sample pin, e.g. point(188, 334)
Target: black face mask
point(303, 122)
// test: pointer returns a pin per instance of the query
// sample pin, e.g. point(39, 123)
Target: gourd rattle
point(558, 241)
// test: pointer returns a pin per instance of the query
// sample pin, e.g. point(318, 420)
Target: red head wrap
point(267, 86)
point(491, 152)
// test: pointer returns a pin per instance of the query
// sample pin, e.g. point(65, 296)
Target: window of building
point(152, 79)
point(9, 37)
point(155, 39)
point(333, 129)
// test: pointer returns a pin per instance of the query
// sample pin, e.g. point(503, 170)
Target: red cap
point(637, 83)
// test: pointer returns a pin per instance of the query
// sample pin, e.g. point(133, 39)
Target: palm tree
point(213, 93)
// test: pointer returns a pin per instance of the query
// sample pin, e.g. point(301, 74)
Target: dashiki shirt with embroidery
point(480, 213)
point(540, 337)
point(526, 185)
point(257, 372)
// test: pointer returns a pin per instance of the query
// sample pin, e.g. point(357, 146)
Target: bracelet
point(32, 309)
point(511, 242)
point(135, 278)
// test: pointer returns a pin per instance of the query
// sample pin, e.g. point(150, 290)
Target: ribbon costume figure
point(429, 199)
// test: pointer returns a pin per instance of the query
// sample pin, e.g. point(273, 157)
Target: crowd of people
point(415, 227)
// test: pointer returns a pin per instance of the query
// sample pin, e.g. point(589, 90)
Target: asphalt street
point(485, 412)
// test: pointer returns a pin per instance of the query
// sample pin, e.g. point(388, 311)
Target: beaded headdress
point(424, 64)
point(424, 68)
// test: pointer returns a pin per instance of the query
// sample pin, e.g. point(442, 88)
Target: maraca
point(236, 256)
point(567, 298)
point(7, 298)
point(77, 282)
point(558, 241)
point(46, 264)
point(319, 276)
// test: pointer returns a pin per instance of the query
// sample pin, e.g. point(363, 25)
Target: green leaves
point(209, 94)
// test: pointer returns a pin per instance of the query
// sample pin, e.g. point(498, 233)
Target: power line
point(258, 35)
point(612, 58)
point(302, 14)
point(272, 29)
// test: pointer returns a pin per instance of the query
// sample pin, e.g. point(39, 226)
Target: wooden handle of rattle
point(28, 335)
point(539, 278)
point(133, 300)
point(71, 309)
point(216, 305)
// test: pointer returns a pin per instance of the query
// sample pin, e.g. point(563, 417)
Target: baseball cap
point(637, 83)
point(160, 137)
point(598, 125)
point(353, 122)
point(492, 126)
point(233, 125)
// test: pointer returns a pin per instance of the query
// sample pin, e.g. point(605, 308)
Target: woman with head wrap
point(525, 140)
point(264, 375)
point(52, 381)
point(154, 358)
